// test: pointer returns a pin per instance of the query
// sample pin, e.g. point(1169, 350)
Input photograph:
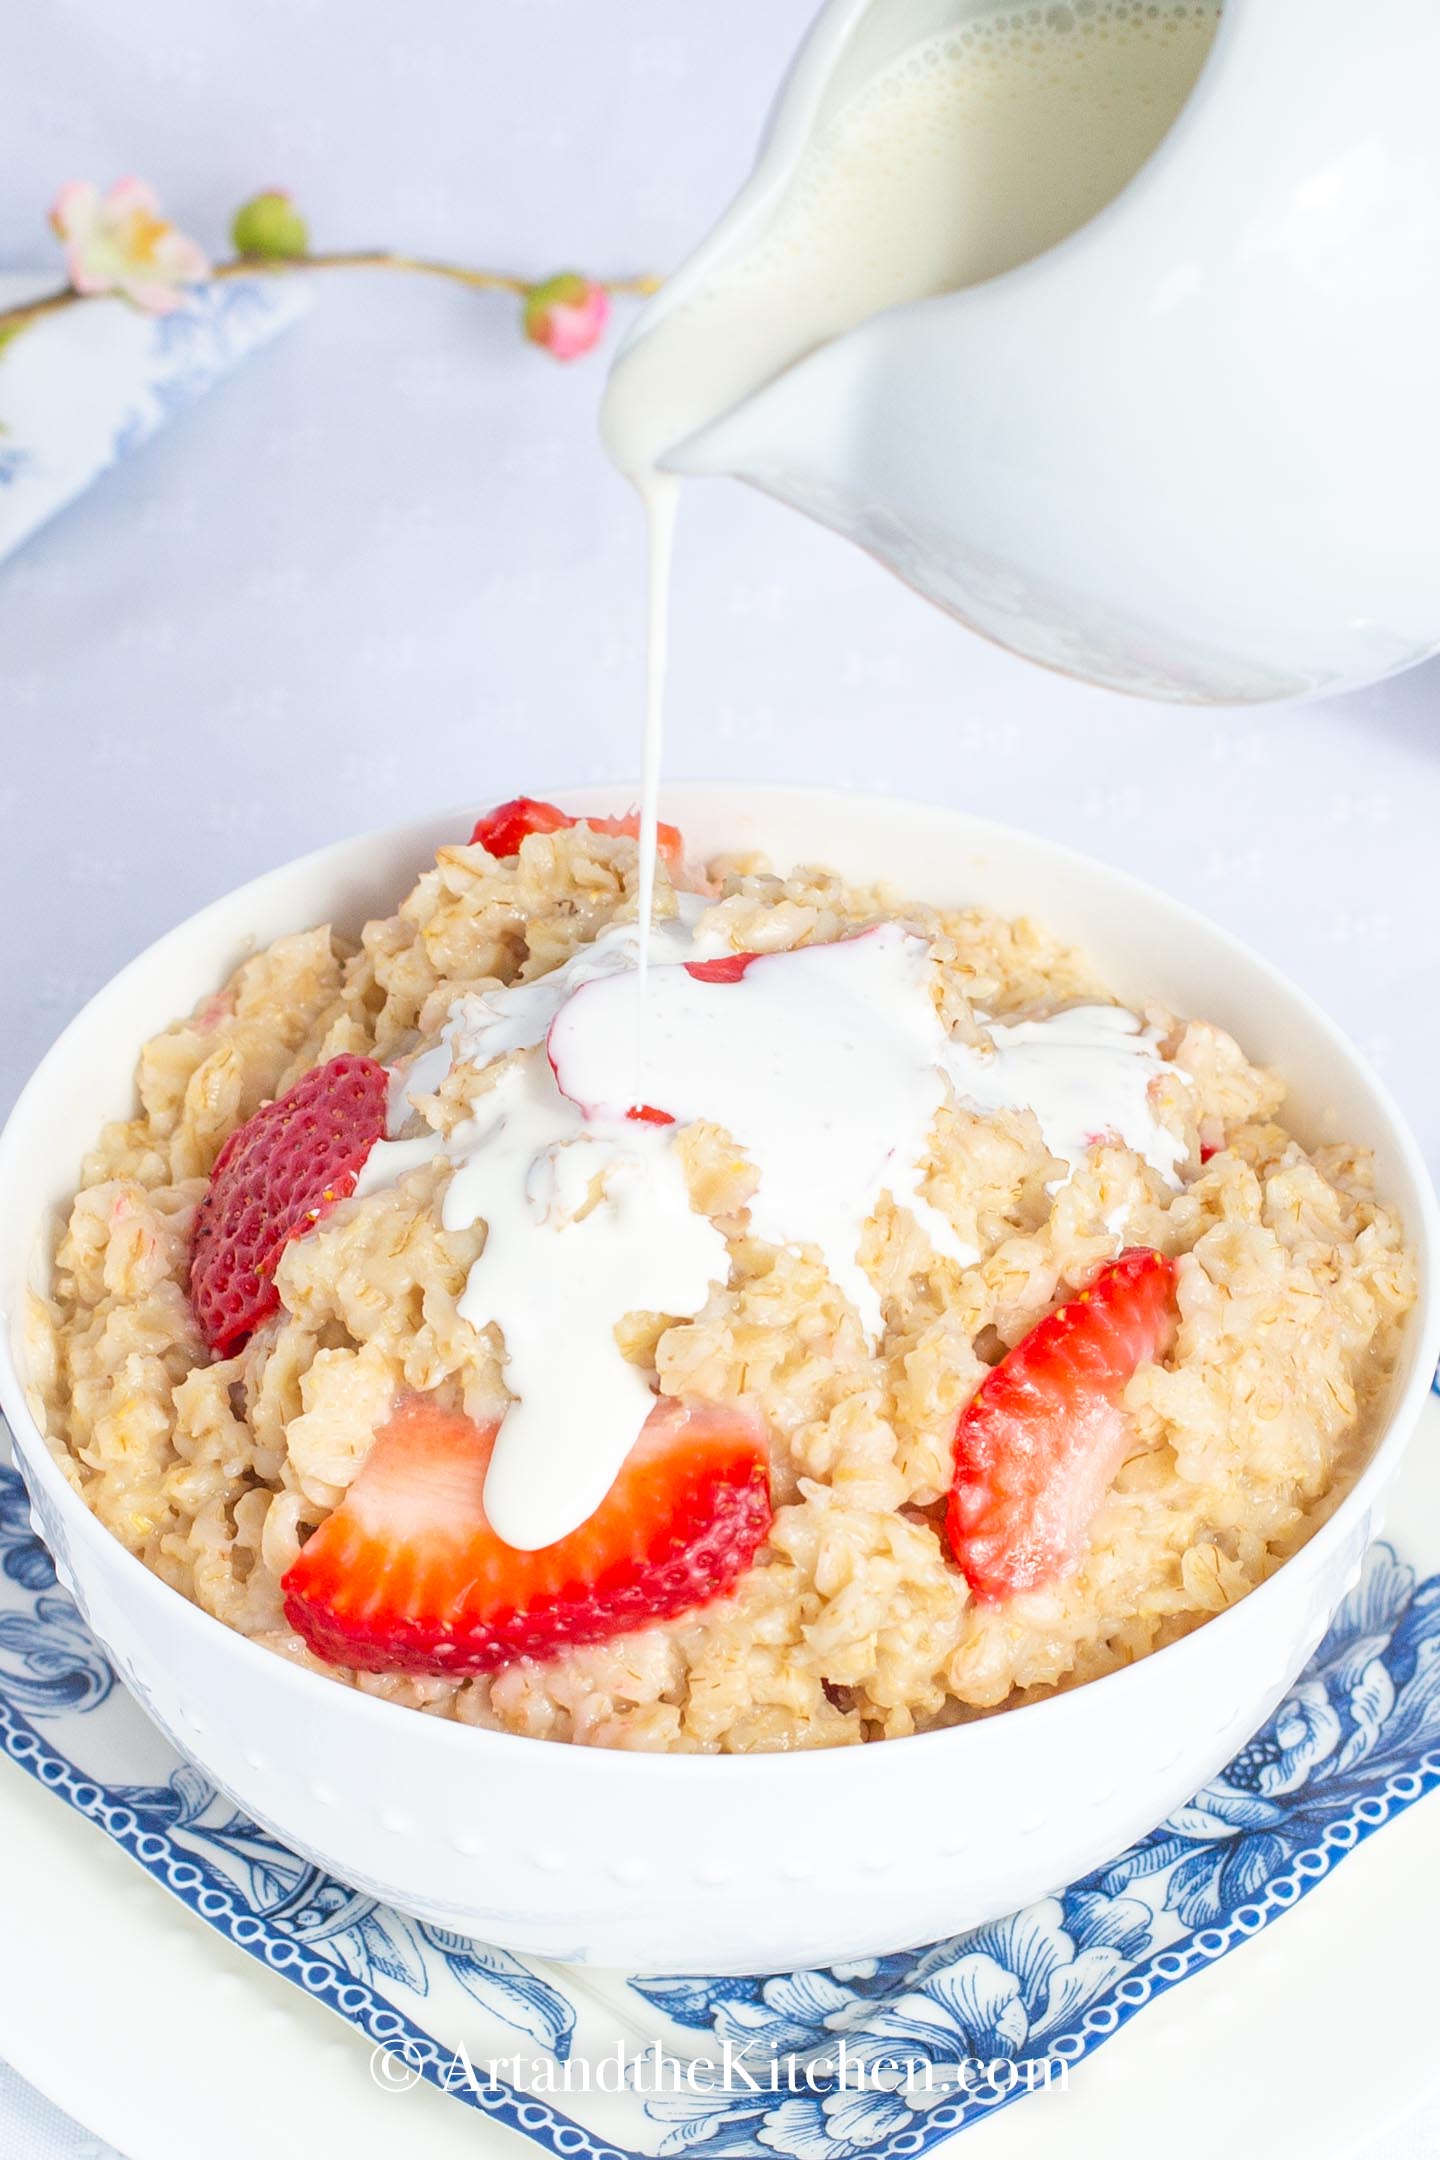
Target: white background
point(386, 565)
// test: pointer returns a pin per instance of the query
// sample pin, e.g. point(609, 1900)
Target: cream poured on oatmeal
point(826, 1065)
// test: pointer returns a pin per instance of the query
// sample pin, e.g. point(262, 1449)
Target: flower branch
point(120, 244)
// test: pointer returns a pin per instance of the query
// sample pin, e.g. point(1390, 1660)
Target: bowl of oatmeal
point(773, 1463)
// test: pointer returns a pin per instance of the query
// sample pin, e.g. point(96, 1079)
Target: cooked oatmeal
point(854, 1623)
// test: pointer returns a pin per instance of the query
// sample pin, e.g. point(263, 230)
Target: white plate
point(132, 2014)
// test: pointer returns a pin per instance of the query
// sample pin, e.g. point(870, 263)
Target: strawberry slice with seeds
point(1038, 1446)
point(408, 1576)
point(275, 1177)
point(501, 830)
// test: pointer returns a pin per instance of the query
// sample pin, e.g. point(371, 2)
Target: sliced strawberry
point(728, 969)
point(1039, 1444)
point(276, 1175)
point(501, 830)
point(408, 1576)
point(668, 840)
point(645, 1113)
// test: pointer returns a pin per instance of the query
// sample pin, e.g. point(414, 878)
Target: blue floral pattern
point(191, 348)
point(68, 418)
point(896, 2052)
point(1357, 1739)
point(370, 1940)
point(22, 1554)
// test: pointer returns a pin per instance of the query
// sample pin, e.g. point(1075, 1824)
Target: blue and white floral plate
point(1353, 1747)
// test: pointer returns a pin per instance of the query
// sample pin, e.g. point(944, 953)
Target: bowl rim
point(1392, 1434)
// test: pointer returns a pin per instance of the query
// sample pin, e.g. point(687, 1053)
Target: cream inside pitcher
point(1109, 325)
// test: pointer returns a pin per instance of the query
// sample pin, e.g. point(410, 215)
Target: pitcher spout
point(727, 321)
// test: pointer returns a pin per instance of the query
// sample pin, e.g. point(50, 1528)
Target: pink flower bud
point(567, 314)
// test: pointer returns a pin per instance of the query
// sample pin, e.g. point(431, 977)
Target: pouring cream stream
point(827, 1065)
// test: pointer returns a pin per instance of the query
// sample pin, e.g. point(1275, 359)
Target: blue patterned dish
point(885, 2056)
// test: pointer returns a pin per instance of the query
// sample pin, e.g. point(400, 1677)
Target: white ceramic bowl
point(675, 1863)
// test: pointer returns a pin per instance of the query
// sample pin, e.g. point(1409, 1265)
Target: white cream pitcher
point(1113, 328)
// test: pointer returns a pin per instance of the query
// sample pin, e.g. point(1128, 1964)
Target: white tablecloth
point(386, 566)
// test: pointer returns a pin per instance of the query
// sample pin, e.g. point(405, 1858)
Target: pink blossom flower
point(566, 314)
point(119, 242)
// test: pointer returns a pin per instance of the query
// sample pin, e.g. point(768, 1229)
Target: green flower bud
point(270, 227)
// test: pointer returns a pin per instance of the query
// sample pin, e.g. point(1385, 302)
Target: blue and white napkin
point(80, 388)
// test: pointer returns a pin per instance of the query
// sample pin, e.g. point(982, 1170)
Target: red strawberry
point(667, 837)
point(276, 1175)
point(728, 969)
point(408, 1576)
point(1038, 1446)
point(501, 830)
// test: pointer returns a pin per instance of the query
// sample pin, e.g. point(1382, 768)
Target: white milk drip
point(826, 1065)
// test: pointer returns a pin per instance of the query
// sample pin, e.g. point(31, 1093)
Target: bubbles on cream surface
point(971, 153)
point(826, 1065)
